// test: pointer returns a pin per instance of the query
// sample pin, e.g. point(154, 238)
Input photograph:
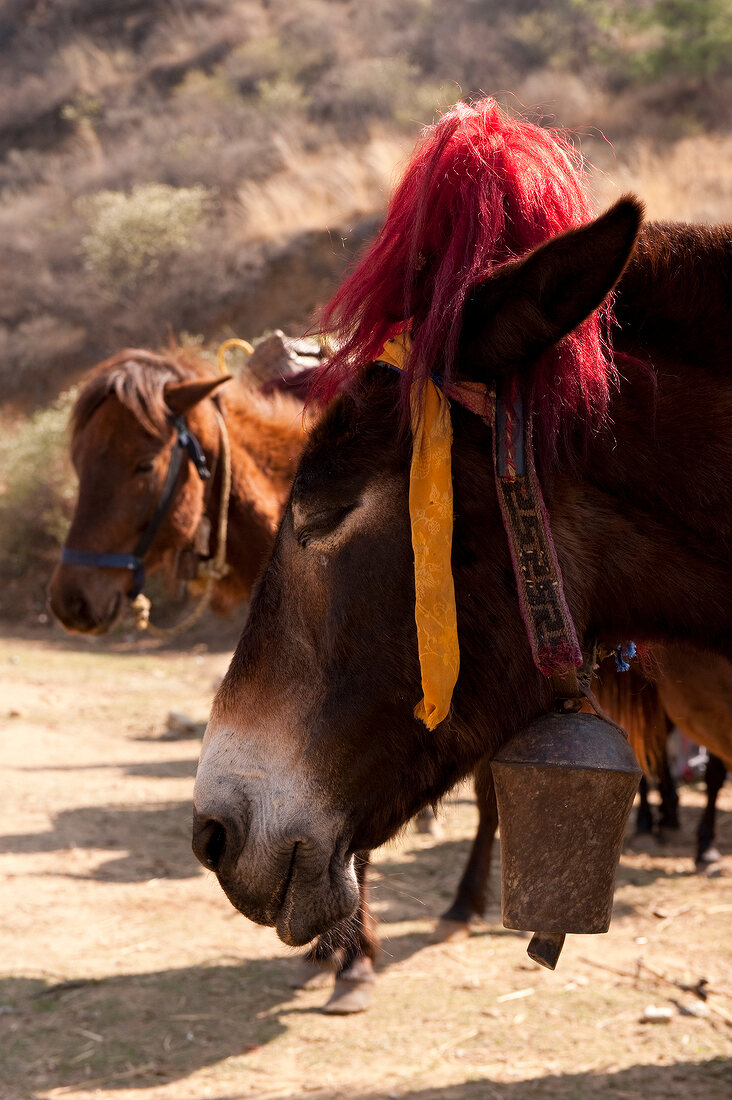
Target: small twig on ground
point(456, 1042)
point(515, 996)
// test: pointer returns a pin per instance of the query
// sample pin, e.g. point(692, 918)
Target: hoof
point(643, 842)
point(450, 931)
point(310, 975)
point(349, 997)
point(352, 991)
point(709, 863)
point(427, 824)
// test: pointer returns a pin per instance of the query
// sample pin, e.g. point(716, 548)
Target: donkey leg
point(644, 817)
point(669, 797)
point(318, 968)
point(356, 952)
point(471, 896)
point(426, 822)
point(707, 853)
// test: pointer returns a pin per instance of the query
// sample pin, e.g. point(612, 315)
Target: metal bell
point(564, 787)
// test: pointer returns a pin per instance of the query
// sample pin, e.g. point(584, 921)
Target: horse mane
point(482, 188)
point(137, 377)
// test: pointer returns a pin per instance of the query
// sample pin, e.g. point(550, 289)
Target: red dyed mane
point(482, 188)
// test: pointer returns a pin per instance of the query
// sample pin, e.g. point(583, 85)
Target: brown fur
point(121, 416)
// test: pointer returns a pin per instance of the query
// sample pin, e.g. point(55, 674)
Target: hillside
point(207, 168)
point(208, 165)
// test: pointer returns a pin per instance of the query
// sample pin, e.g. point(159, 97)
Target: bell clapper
point(545, 948)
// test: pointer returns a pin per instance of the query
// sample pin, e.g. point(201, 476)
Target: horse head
point(128, 422)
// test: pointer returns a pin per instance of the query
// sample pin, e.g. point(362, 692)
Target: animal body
point(691, 689)
point(123, 437)
point(313, 751)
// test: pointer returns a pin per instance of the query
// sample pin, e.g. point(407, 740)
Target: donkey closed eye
point(312, 526)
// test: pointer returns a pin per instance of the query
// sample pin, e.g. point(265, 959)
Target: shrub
point(36, 489)
point(281, 96)
point(130, 234)
point(372, 87)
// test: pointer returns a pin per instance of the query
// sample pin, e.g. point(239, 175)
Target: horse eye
point(143, 467)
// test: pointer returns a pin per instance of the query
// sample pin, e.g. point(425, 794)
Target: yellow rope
point(234, 342)
point(213, 571)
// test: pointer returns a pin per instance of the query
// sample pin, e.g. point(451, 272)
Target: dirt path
point(124, 972)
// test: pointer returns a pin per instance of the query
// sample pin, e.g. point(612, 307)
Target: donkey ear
point(531, 304)
point(182, 396)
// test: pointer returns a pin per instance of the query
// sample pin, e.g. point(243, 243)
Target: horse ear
point(182, 396)
point(530, 304)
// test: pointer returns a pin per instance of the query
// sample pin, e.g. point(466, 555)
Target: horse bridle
point(186, 443)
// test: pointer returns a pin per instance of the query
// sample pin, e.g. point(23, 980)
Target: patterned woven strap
point(547, 619)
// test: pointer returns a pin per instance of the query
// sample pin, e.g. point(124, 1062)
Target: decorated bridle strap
point(549, 626)
point(186, 443)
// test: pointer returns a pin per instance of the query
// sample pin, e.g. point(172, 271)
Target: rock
point(695, 1008)
point(657, 1014)
point(180, 725)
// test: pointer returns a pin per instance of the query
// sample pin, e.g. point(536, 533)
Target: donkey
point(124, 438)
point(313, 751)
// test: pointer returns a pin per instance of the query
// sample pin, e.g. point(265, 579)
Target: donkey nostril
point(209, 844)
point(215, 846)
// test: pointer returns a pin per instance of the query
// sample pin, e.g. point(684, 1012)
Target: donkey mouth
point(310, 898)
point(309, 906)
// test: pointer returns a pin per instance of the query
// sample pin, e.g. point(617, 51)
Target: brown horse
point(123, 440)
point(676, 686)
point(313, 751)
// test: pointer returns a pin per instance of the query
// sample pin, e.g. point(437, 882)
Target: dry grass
point(330, 187)
point(689, 181)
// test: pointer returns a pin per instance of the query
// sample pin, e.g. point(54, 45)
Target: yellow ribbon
point(430, 513)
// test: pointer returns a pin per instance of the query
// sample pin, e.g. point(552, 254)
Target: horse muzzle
point(92, 607)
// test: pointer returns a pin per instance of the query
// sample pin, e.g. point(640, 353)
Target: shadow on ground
point(149, 1028)
point(710, 1080)
point(154, 841)
point(682, 1081)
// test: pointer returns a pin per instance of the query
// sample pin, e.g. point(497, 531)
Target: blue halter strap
point(186, 442)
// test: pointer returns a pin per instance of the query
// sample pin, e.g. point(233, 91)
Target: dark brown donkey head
point(313, 751)
point(123, 438)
